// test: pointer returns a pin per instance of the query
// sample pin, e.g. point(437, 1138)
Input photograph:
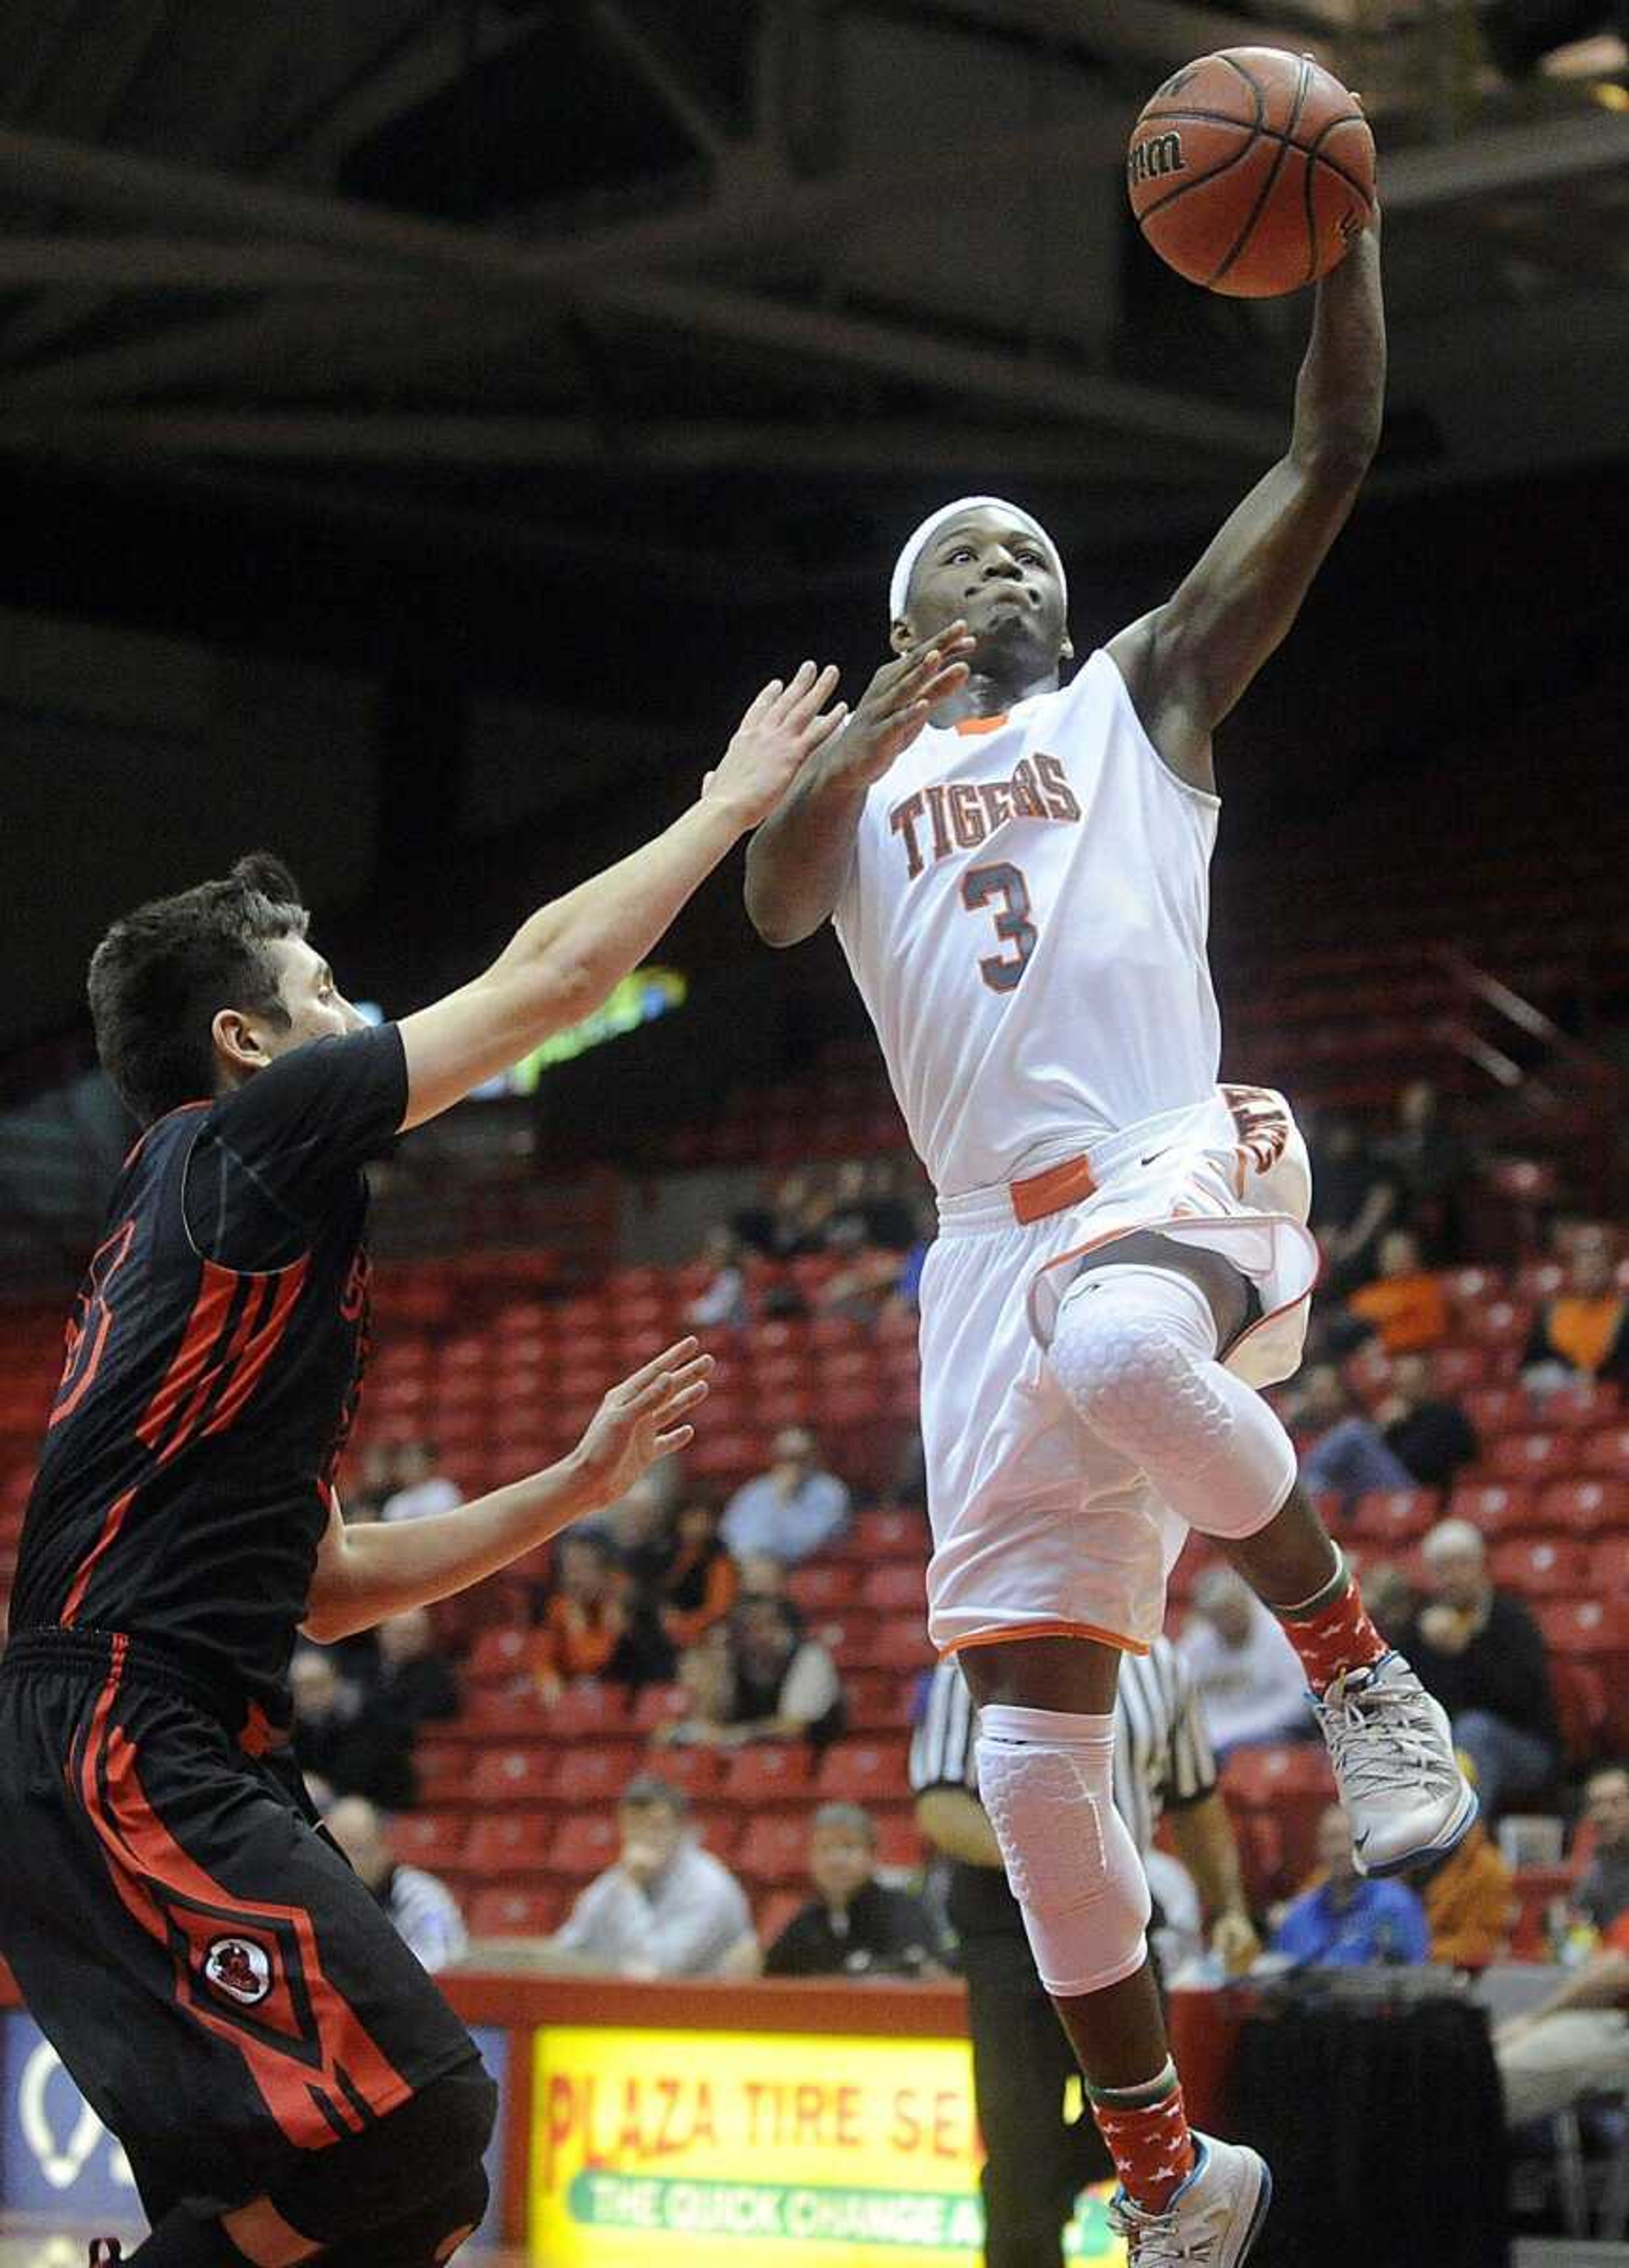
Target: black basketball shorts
point(221, 1987)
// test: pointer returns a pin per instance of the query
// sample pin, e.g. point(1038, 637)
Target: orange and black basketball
point(1251, 172)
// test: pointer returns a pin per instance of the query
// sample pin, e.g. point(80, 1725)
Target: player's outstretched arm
point(560, 966)
point(1188, 663)
point(366, 1574)
point(800, 857)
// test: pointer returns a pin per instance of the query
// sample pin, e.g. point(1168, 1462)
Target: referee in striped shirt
point(1038, 2160)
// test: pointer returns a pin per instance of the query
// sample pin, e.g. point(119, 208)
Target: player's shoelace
point(1383, 1739)
point(1157, 2240)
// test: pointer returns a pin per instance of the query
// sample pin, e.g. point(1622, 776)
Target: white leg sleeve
point(1135, 1351)
point(1046, 1779)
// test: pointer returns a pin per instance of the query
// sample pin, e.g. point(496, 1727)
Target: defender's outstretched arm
point(1187, 664)
point(559, 967)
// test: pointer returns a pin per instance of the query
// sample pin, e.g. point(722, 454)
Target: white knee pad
point(1135, 1351)
point(1046, 1779)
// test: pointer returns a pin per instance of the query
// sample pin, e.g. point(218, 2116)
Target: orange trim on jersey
point(111, 1525)
point(142, 1858)
point(1041, 1195)
point(971, 727)
point(1044, 1630)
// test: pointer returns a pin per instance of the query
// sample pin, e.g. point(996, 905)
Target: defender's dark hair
point(162, 974)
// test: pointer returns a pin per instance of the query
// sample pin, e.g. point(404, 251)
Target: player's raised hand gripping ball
point(1251, 172)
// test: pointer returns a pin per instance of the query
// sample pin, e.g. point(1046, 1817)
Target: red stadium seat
point(431, 1839)
point(509, 1842)
point(1389, 1517)
point(514, 1775)
point(899, 1839)
point(864, 1772)
point(1586, 1507)
point(1260, 1855)
point(1499, 1508)
point(596, 1775)
point(583, 1846)
point(897, 1587)
point(1579, 1696)
point(1609, 1567)
point(899, 1642)
point(1261, 1778)
point(824, 1588)
point(1589, 1402)
point(1494, 1410)
point(1536, 1889)
point(699, 1771)
point(1550, 1568)
point(1606, 1453)
point(1531, 1456)
point(1591, 1630)
point(1471, 1288)
point(1453, 1368)
point(775, 1849)
point(659, 1705)
point(588, 1708)
point(890, 1535)
point(515, 1913)
point(768, 1772)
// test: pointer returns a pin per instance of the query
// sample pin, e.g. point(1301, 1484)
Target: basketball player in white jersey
point(1018, 871)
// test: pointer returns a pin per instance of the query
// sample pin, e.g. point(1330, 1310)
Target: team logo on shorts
point(238, 1967)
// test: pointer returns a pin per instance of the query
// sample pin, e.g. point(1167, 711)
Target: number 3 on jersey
point(981, 886)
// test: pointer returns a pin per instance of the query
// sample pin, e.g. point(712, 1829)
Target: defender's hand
point(639, 1421)
point(899, 700)
point(776, 737)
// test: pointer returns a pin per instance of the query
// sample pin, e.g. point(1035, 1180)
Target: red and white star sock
point(1331, 1631)
point(1148, 2136)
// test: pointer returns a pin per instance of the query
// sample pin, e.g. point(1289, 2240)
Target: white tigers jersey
point(1026, 917)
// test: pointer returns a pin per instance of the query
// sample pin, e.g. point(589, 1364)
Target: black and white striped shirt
point(1162, 1755)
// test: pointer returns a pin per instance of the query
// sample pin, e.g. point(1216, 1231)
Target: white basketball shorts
point(1039, 1529)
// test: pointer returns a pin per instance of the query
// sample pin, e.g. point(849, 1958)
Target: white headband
point(899, 589)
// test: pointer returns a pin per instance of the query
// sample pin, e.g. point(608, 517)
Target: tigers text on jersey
point(1026, 918)
point(214, 1360)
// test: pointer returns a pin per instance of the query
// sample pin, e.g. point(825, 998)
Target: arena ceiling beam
point(1506, 157)
point(876, 446)
point(979, 374)
point(1157, 33)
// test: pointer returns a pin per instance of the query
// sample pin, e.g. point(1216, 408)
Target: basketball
point(1251, 172)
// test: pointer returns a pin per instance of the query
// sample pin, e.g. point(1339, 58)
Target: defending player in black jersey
point(285, 2078)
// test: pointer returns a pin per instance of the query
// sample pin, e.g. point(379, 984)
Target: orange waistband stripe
point(1041, 1195)
point(1043, 1629)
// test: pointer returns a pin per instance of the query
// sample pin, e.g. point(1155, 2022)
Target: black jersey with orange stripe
point(214, 1362)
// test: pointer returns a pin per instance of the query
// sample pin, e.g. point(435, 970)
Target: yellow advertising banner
point(672, 2149)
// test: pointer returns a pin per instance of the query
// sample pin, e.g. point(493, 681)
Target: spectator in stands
point(1575, 2043)
point(863, 1285)
point(352, 1749)
point(723, 1304)
point(377, 1482)
point(587, 1628)
point(853, 1926)
point(667, 1908)
point(422, 1487)
point(867, 1208)
point(1431, 1164)
point(1602, 1892)
point(1479, 1652)
point(698, 1582)
point(1347, 1454)
point(1405, 1304)
point(1584, 1332)
point(424, 1910)
point(1348, 1921)
point(1471, 1902)
point(761, 1679)
point(1429, 1433)
point(802, 1210)
point(1355, 1196)
point(1392, 1601)
point(760, 1575)
point(1251, 1687)
point(793, 1511)
point(415, 1683)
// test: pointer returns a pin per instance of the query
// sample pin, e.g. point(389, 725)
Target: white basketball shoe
point(1213, 2221)
point(1399, 1779)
